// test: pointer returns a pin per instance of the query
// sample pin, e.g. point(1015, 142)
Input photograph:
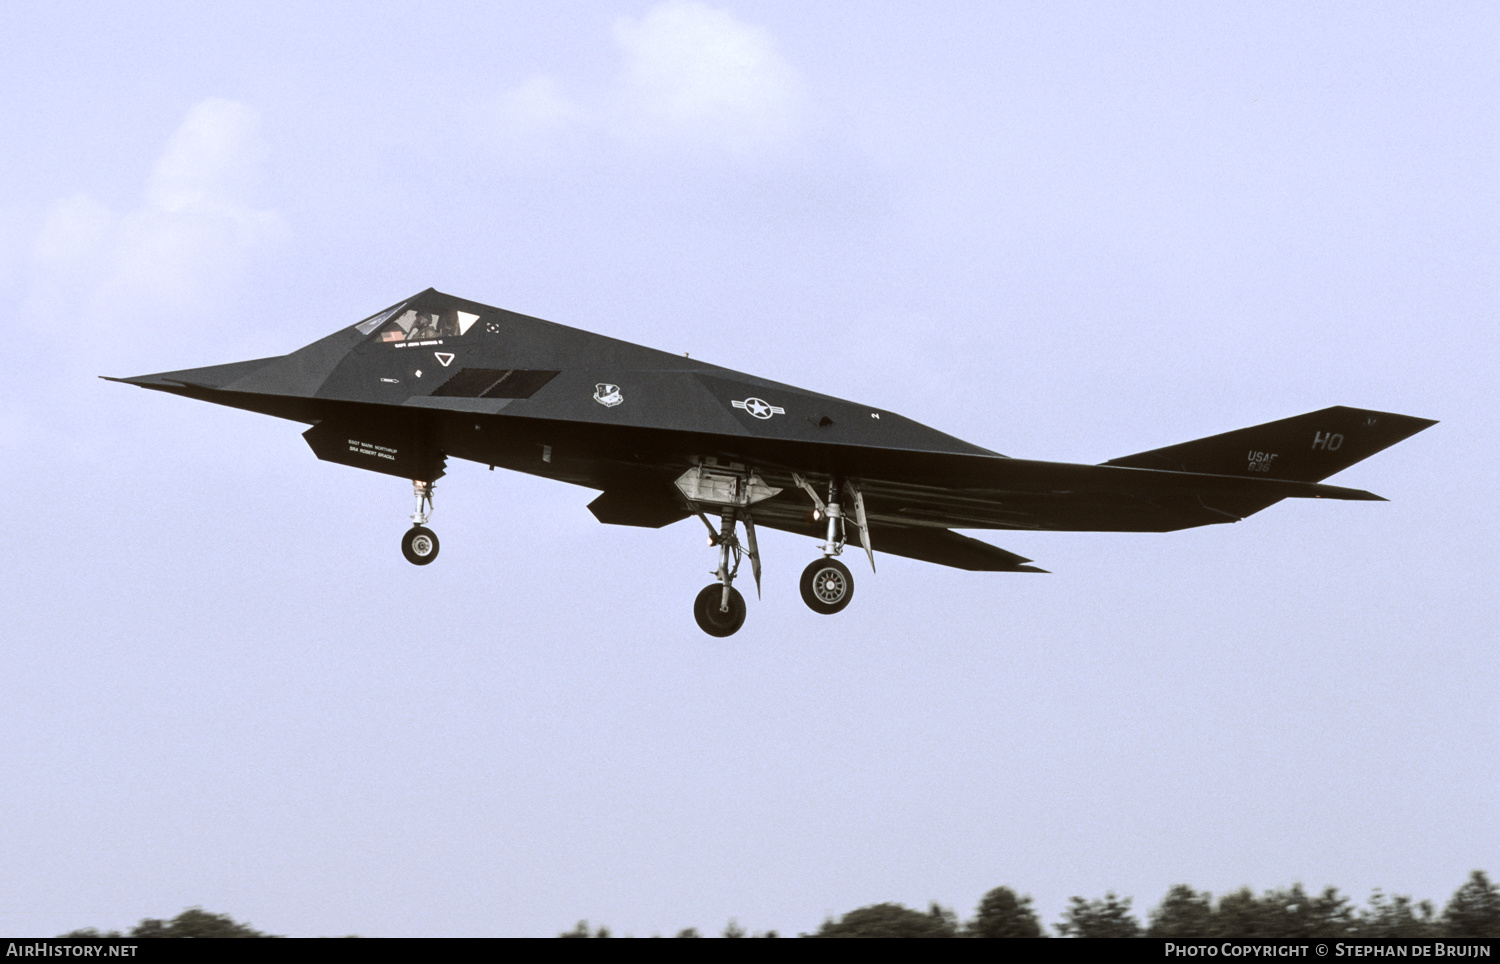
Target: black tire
point(711, 618)
point(827, 586)
point(419, 545)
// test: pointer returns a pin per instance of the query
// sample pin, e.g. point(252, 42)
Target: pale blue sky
point(1064, 231)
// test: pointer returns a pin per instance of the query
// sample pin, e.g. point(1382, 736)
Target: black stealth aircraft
point(665, 437)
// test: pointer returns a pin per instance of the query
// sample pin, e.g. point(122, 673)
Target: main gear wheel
point(712, 617)
point(827, 586)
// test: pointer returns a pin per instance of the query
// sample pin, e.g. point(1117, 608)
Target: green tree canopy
point(1002, 914)
point(195, 922)
point(581, 929)
point(1109, 917)
point(890, 920)
point(1474, 910)
point(1184, 913)
point(1397, 917)
point(1295, 914)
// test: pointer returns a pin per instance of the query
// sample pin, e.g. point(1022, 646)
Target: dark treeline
point(1472, 912)
point(193, 922)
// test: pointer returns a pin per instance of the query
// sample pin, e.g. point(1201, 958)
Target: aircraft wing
point(947, 548)
point(924, 543)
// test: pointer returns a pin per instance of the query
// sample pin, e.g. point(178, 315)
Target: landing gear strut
point(719, 608)
point(420, 544)
point(827, 585)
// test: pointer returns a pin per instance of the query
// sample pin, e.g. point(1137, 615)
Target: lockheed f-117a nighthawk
point(665, 437)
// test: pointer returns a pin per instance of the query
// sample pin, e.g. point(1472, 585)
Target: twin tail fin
point(1304, 448)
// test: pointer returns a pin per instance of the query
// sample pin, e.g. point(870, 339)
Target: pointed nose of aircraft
point(213, 377)
point(297, 375)
point(272, 386)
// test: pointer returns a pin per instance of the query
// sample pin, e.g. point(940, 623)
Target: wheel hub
point(830, 586)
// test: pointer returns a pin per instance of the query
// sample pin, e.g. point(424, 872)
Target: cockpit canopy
point(403, 324)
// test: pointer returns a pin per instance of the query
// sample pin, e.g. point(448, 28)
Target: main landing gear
point(420, 544)
point(827, 585)
point(719, 608)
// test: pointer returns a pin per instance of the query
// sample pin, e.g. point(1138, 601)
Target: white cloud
point(211, 163)
point(691, 77)
point(539, 106)
point(532, 116)
point(698, 73)
point(75, 234)
point(190, 237)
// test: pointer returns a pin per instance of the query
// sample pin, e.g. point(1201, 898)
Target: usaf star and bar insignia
point(759, 407)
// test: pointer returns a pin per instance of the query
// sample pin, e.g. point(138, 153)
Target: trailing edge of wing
point(946, 548)
point(924, 543)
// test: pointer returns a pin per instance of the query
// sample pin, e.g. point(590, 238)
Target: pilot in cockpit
point(424, 327)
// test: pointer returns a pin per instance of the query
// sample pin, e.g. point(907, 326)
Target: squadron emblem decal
point(608, 395)
point(759, 407)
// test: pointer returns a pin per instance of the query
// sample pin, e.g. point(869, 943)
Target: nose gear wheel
point(419, 545)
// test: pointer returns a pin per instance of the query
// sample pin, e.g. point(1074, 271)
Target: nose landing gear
point(420, 544)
